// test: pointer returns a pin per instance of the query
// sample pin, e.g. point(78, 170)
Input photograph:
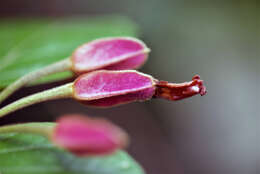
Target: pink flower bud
point(86, 136)
point(115, 53)
point(109, 88)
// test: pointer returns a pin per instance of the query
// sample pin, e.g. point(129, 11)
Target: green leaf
point(26, 45)
point(31, 154)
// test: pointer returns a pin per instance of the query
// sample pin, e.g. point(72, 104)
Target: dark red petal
point(178, 91)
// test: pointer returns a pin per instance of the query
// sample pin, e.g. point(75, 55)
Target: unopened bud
point(109, 88)
point(104, 88)
point(87, 136)
point(115, 53)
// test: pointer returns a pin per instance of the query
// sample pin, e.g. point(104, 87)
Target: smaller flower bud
point(86, 136)
point(115, 53)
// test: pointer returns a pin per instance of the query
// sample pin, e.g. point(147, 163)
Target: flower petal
point(115, 53)
point(103, 84)
point(178, 91)
point(142, 95)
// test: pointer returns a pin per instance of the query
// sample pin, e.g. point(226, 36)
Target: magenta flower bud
point(86, 136)
point(115, 53)
point(104, 88)
point(109, 88)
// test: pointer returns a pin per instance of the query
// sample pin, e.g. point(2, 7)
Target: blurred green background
point(217, 39)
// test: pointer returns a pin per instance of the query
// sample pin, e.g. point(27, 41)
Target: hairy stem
point(44, 129)
point(60, 66)
point(64, 91)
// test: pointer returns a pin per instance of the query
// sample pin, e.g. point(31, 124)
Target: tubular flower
point(109, 88)
point(86, 136)
point(105, 88)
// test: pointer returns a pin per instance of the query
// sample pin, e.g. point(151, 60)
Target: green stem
point(64, 91)
point(44, 129)
point(60, 66)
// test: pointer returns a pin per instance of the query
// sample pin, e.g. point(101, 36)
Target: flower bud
point(110, 88)
point(87, 136)
point(115, 53)
point(106, 88)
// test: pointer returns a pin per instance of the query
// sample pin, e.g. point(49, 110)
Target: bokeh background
point(217, 39)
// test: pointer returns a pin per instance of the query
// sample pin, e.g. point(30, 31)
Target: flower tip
point(146, 50)
point(200, 85)
point(196, 77)
point(203, 90)
point(178, 91)
point(86, 136)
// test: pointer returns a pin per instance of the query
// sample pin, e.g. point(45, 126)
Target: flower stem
point(60, 66)
point(44, 129)
point(64, 91)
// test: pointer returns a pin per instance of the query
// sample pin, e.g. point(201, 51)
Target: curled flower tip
point(87, 136)
point(202, 88)
point(114, 53)
point(178, 91)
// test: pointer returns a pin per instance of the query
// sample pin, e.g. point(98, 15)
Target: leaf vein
point(27, 148)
